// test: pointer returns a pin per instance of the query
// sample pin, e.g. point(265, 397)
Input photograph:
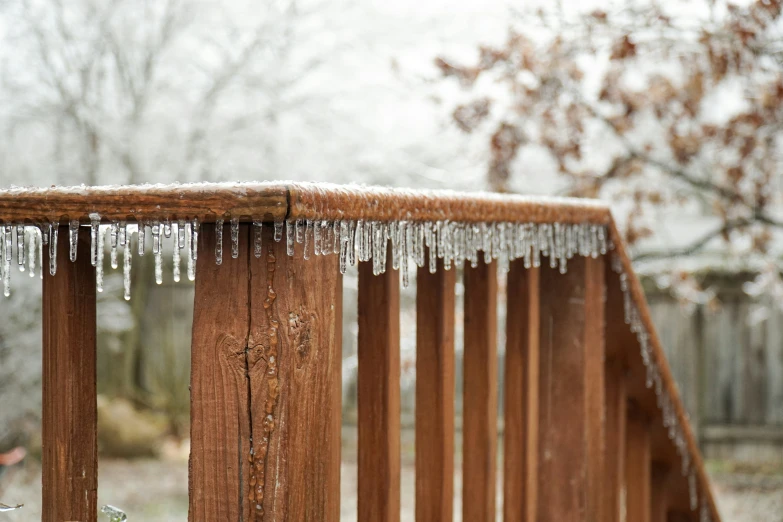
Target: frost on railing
point(6, 507)
point(114, 514)
point(453, 242)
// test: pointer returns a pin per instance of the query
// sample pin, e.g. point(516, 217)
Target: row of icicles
point(423, 243)
point(452, 242)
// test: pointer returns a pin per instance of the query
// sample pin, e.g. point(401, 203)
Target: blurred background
point(671, 111)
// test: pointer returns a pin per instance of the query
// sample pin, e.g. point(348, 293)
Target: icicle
point(336, 236)
point(155, 228)
point(192, 247)
point(95, 223)
point(317, 237)
point(694, 495)
point(32, 252)
point(167, 228)
point(290, 237)
point(602, 240)
point(141, 234)
point(176, 254)
point(113, 237)
point(258, 231)
point(219, 242)
point(345, 240)
point(351, 239)
point(21, 254)
point(278, 230)
point(127, 255)
point(40, 254)
point(100, 236)
point(54, 229)
point(307, 238)
point(123, 239)
point(300, 232)
point(234, 238)
point(159, 267)
point(704, 514)
point(404, 252)
point(6, 255)
point(181, 234)
point(73, 233)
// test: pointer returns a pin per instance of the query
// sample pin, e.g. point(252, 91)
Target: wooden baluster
point(572, 392)
point(265, 370)
point(618, 338)
point(638, 472)
point(659, 501)
point(298, 303)
point(219, 426)
point(520, 438)
point(616, 413)
point(479, 424)
point(69, 433)
point(379, 394)
point(435, 394)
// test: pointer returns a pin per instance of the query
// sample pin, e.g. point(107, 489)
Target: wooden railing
point(593, 426)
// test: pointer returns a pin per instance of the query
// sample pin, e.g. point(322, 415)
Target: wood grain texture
point(571, 387)
point(638, 471)
point(614, 464)
point(219, 425)
point(294, 362)
point(265, 385)
point(69, 416)
point(186, 201)
point(479, 418)
point(435, 394)
point(378, 405)
point(520, 438)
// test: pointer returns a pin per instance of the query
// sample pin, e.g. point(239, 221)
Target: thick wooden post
point(638, 472)
point(379, 394)
point(571, 386)
point(435, 394)
point(479, 418)
point(70, 443)
point(265, 384)
point(294, 364)
point(520, 438)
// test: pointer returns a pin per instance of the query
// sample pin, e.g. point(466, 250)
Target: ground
point(156, 491)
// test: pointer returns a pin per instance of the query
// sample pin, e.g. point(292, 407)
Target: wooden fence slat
point(294, 367)
point(520, 438)
point(378, 401)
point(638, 472)
point(479, 424)
point(69, 415)
point(435, 394)
point(571, 388)
point(219, 426)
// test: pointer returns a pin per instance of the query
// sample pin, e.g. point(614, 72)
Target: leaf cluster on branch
point(651, 106)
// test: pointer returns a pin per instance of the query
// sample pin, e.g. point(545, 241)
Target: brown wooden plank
point(659, 484)
point(479, 418)
point(520, 438)
point(219, 425)
point(616, 413)
point(638, 472)
point(69, 417)
point(571, 387)
point(435, 394)
point(294, 365)
point(378, 405)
